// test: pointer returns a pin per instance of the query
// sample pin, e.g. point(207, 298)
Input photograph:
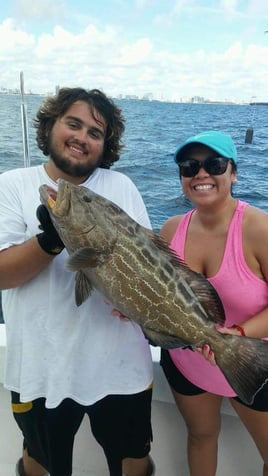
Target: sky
point(168, 50)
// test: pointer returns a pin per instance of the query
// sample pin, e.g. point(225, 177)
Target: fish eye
point(87, 199)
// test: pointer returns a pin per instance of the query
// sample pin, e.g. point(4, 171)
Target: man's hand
point(49, 239)
point(119, 314)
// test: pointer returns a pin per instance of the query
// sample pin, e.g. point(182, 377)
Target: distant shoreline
point(228, 103)
point(143, 99)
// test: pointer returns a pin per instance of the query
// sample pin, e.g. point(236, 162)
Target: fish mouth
point(56, 202)
point(48, 196)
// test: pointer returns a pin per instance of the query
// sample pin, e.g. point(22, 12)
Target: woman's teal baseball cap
point(219, 142)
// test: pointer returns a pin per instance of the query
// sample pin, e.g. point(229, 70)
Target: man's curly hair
point(56, 106)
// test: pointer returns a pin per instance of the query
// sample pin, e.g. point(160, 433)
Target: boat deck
point(237, 453)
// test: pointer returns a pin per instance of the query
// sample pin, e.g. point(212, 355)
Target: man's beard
point(74, 170)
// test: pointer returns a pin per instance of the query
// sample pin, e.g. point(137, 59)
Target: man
point(62, 361)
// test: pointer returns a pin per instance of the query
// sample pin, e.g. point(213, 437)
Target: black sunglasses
point(212, 165)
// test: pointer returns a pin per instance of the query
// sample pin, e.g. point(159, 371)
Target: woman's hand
point(206, 351)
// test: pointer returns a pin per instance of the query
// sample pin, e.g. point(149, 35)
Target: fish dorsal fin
point(200, 286)
point(83, 288)
point(86, 258)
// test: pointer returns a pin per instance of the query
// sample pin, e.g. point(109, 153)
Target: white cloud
point(258, 7)
point(136, 53)
point(229, 8)
point(103, 58)
point(12, 39)
point(39, 9)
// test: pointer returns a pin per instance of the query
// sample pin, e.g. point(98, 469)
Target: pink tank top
point(242, 294)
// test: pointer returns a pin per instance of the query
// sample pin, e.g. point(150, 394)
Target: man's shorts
point(120, 423)
point(182, 385)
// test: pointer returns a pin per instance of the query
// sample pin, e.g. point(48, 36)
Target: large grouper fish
point(142, 278)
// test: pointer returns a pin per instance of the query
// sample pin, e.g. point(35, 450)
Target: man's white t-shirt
point(55, 349)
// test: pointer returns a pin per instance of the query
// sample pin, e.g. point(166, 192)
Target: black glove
point(49, 239)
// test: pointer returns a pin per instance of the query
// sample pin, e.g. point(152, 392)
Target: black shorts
point(120, 423)
point(182, 385)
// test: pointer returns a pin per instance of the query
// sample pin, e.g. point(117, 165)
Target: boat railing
point(1, 310)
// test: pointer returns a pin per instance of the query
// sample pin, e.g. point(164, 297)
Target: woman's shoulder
point(255, 232)
point(169, 227)
point(255, 226)
point(254, 216)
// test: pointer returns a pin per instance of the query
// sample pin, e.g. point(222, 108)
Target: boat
point(258, 103)
point(237, 452)
point(1, 311)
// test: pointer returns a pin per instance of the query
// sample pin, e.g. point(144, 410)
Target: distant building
point(148, 97)
point(197, 99)
point(131, 96)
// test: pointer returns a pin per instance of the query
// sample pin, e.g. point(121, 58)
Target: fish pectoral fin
point(209, 299)
point(86, 258)
point(165, 341)
point(83, 288)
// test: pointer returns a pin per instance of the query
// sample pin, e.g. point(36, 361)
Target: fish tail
point(244, 363)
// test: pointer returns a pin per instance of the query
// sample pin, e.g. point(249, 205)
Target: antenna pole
point(24, 122)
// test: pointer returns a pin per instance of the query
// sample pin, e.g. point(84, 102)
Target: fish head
point(79, 216)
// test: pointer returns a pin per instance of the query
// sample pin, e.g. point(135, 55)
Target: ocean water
point(153, 131)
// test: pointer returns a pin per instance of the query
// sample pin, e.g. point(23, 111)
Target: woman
point(226, 240)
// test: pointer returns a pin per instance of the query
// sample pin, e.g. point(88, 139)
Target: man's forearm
point(21, 263)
